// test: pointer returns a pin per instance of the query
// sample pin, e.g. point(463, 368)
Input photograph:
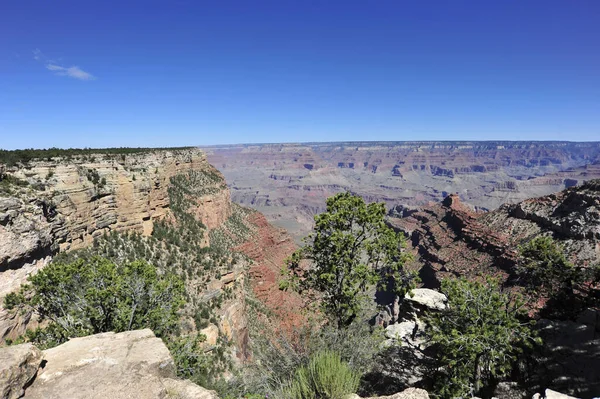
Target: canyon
point(289, 183)
point(465, 220)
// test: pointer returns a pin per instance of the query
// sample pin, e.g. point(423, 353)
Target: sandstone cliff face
point(268, 248)
point(69, 203)
point(85, 197)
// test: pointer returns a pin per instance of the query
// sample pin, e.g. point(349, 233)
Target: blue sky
point(149, 73)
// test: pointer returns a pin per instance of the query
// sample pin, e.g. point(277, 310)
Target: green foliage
point(88, 297)
point(195, 363)
point(478, 336)
point(105, 287)
point(8, 183)
point(350, 251)
point(94, 177)
point(326, 376)
point(545, 269)
point(547, 274)
point(13, 299)
point(11, 158)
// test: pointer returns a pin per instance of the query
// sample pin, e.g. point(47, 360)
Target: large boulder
point(18, 366)
point(427, 298)
point(132, 364)
point(408, 333)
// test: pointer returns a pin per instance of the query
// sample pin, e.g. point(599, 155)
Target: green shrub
point(90, 296)
point(478, 336)
point(325, 377)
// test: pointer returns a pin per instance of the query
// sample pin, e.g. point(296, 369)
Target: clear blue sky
point(148, 73)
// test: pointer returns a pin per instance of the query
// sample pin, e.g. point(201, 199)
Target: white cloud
point(73, 72)
point(60, 70)
point(37, 54)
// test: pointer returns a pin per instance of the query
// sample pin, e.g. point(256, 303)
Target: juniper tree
point(350, 252)
point(477, 337)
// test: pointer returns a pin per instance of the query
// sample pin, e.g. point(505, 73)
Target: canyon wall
point(69, 202)
point(64, 204)
point(290, 182)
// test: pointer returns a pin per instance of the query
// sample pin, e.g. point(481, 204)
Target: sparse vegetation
point(11, 158)
point(548, 275)
point(8, 183)
point(325, 376)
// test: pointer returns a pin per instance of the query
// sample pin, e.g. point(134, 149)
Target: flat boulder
point(18, 366)
point(131, 364)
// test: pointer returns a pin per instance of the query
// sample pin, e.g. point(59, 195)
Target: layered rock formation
point(452, 239)
point(269, 248)
point(68, 203)
point(132, 364)
point(290, 182)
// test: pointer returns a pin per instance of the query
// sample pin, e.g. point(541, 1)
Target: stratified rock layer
point(86, 197)
point(290, 182)
point(70, 202)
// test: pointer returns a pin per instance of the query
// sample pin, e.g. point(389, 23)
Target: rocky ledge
point(132, 364)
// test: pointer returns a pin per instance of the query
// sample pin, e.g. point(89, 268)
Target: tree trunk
point(477, 375)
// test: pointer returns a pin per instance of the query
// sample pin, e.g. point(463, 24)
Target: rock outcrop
point(451, 239)
point(550, 394)
point(132, 364)
point(18, 367)
point(268, 248)
point(427, 298)
point(448, 240)
point(409, 393)
point(67, 203)
point(408, 353)
point(571, 216)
